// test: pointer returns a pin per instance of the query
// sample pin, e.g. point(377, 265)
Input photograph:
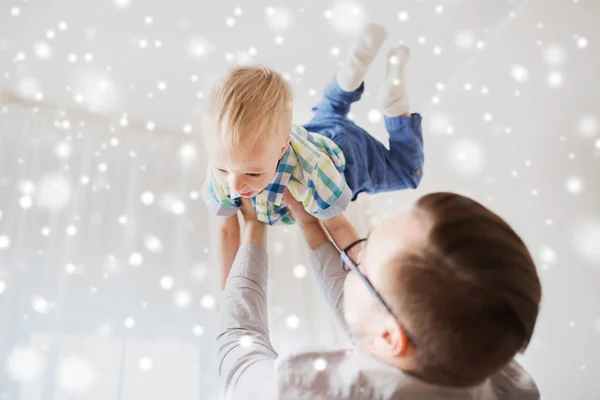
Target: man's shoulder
point(316, 358)
point(514, 382)
point(314, 374)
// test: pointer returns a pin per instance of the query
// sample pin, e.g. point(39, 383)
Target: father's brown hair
point(470, 297)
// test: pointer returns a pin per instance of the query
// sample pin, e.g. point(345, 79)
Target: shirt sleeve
point(216, 198)
point(328, 193)
point(326, 266)
point(246, 356)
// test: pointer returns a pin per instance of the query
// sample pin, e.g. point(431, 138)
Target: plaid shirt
point(312, 170)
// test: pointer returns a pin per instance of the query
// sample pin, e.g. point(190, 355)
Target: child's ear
point(285, 146)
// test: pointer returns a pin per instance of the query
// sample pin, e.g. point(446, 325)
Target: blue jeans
point(370, 166)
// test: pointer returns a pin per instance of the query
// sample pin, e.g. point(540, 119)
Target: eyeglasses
point(351, 256)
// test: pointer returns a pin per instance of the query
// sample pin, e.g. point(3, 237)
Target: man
point(438, 301)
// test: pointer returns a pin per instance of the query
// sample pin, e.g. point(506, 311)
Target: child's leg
point(392, 96)
point(405, 154)
point(347, 87)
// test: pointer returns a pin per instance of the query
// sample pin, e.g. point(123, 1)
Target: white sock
point(392, 96)
point(365, 48)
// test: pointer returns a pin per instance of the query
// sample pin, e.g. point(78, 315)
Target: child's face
point(251, 172)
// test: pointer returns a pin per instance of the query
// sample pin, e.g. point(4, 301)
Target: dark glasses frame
point(349, 265)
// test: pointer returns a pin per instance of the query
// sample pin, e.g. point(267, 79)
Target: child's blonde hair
point(249, 103)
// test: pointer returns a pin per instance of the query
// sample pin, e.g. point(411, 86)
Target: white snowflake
point(25, 202)
point(70, 269)
point(146, 363)
point(42, 50)
point(136, 259)
point(300, 271)
point(374, 116)
point(574, 185)
point(129, 323)
point(585, 239)
point(548, 255)
point(554, 55)
point(246, 341)
point(320, 364)
point(519, 73)
point(100, 92)
point(122, 3)
point(208, 302)
point(464, 40)
point(2, 287)
point(76, 375)
point(183, 298)
point(71, 230)
point(279, 18)
point(166, 283)
point(292, 322)
point(588, 126)
point(230, 21)
point(198, 47)
point(153, 244)
point(24, 365)
point(198, 330)
point(187, 153)
point(439, 123)
point(467, 157)
point(28, 87)
point(147, 198)
point(4, 242)
point(346, 17)
point(178, 207)
point(62, 150)
point(555, 79)
point(582, 42)
point(403, 16)
point(41, 305)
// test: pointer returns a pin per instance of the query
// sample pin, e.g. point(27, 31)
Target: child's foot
point(392, 96)
point(365, 48)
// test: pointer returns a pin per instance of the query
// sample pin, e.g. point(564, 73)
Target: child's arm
point(228, 245)
point(341, 231)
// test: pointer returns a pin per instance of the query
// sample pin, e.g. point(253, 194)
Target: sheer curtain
point(107, 275)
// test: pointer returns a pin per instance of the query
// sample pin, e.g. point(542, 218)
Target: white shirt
point(251, 369)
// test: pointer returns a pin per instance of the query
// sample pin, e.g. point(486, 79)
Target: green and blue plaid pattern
point(311, 169)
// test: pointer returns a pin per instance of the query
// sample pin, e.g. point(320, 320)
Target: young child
point(255, 151)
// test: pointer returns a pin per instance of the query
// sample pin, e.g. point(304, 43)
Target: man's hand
point(311, 228)
point(248, 211)
point(254, 230)
point(301, 216)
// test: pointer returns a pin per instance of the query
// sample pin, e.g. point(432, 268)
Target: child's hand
point(297, 209)
point(248, 211)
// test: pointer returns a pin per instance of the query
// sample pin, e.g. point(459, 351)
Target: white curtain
point(107, 270)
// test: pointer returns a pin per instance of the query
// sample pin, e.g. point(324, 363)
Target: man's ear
point(394, 338)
